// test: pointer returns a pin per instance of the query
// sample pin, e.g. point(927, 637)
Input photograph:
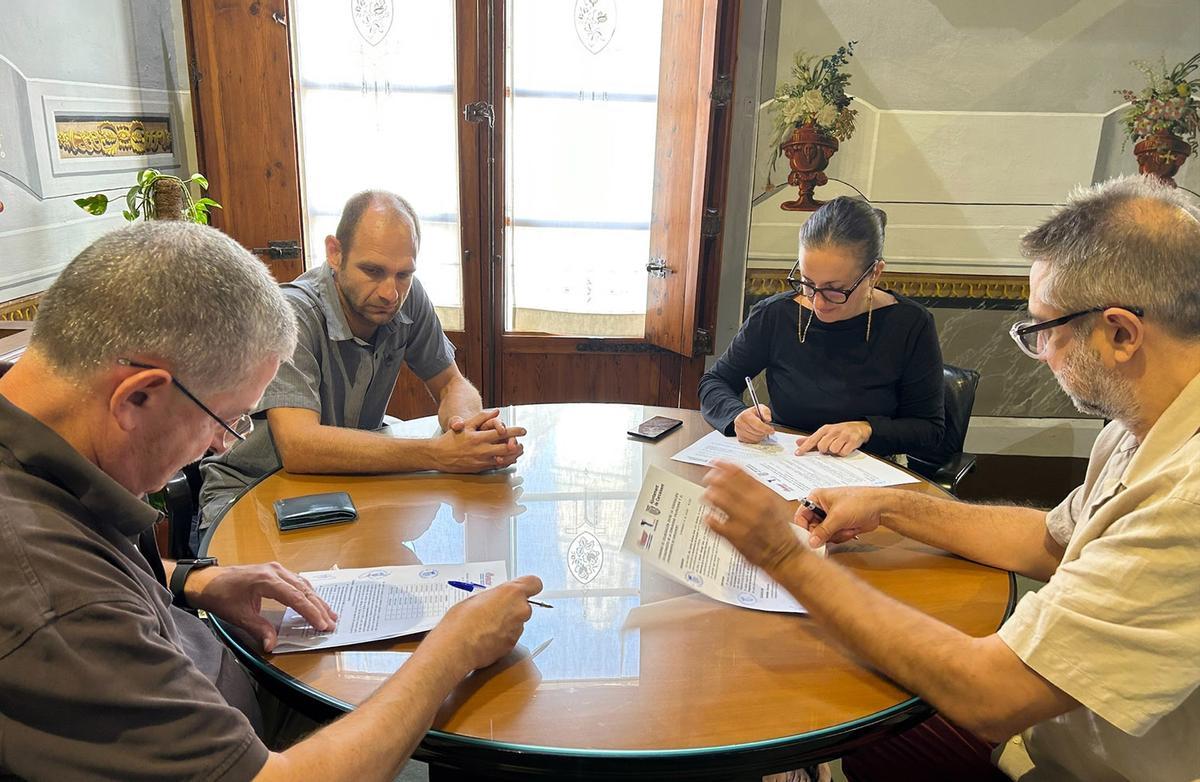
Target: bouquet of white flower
point(816, 97)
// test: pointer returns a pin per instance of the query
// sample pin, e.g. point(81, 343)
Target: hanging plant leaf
point(94, 205)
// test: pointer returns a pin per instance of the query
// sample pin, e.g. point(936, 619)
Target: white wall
point(963, 103)
point(81, 57)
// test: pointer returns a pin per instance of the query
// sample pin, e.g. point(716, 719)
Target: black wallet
point(313, 510)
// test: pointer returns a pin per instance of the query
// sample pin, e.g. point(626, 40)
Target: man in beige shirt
point(1095, 676)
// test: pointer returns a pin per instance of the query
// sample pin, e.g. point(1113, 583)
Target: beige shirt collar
point(1178, 423)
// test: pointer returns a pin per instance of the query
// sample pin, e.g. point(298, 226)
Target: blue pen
point(470, 586)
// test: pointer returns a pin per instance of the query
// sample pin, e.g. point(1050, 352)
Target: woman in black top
point(855, 365)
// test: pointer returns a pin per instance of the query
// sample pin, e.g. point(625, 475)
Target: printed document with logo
point(383, 602)
point(668, 532)
point(775, 463)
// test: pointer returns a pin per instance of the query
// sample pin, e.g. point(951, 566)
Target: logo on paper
point(429, 572)
point(695, 580)
point(644, 540)
point(376, 574)
point(747, 599)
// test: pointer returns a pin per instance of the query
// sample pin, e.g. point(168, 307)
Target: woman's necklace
point(801, 326)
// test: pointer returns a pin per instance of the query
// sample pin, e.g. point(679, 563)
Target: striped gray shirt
point(346, 380)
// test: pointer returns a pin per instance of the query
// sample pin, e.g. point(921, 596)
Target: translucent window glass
point(378, 109)
point(582, 106)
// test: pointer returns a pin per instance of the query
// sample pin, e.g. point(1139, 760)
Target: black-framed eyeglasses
point(240, 426)
point(831, 295)
point(1025, 333)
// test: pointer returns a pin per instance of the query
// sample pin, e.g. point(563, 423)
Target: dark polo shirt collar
point(43, 453)
point(338, 327)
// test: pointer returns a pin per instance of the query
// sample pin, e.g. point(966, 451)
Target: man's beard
point(1095, 391)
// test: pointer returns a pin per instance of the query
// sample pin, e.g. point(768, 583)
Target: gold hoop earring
point(870, 309)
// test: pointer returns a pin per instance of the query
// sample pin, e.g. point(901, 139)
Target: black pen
point(814, 508)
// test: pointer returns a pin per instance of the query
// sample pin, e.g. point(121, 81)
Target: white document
point(775, 463)
point(383, 602)
point(668, 532)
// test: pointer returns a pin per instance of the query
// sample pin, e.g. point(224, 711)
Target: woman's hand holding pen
point(753, 426)
point(837, 515)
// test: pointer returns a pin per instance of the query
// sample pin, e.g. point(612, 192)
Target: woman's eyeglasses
point(831, 295)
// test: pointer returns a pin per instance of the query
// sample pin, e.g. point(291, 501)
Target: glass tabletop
point(628, 662)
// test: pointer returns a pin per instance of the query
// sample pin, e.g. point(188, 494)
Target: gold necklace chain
point(801, 326)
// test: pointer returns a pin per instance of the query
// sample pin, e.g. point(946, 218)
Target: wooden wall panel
point(552, 369)
point(245, 122)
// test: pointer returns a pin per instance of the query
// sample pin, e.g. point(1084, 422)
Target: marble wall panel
point(1011, 384)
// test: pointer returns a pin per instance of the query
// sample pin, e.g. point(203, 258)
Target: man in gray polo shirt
point(150, 348)
point(361, 316)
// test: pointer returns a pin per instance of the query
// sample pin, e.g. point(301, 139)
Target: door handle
point(279, 250)
point(658, 268)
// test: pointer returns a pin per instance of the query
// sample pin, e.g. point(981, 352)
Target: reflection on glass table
point(630, 675)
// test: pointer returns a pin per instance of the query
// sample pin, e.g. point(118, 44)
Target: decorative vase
point(1161, 154)
point(808, 151)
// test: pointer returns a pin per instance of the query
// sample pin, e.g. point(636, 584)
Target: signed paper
point(774, 462)
point(669, 533)
point(383, 602)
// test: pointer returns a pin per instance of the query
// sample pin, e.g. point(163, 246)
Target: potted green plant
point(812, 114)
point(1164, 118)
point(158, 196)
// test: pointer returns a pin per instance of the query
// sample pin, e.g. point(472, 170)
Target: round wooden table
point(630, 675)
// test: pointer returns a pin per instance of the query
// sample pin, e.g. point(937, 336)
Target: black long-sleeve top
point(894, 383)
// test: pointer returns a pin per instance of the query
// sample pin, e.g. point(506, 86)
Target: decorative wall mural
point(372, 19)
point(62, 137)
point(595, 23)
point(85, 137)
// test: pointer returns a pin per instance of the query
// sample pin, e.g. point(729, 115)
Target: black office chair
point(948, 465)
point(182, 499)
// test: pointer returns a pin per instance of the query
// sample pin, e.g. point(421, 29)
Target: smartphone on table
point(656, 427)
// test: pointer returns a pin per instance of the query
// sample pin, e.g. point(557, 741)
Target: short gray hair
point(1131, 241)
point(178, 293)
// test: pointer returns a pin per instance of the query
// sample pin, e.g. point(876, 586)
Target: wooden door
point(246, 120)
point(664, 366)
point(245, 123)
point(680, 161)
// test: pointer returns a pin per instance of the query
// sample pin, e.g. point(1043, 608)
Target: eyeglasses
point(831, 295)
point(1026, 332)
point(239, 427)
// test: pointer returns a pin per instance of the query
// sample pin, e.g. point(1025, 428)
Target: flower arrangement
point(817, 96)
point(1168, 105)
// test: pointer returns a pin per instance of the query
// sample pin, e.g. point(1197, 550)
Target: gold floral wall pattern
point(91, 137)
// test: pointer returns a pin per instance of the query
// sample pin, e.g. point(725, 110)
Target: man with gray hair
point(149, 349)
point(1097, 672)
point(362, 315)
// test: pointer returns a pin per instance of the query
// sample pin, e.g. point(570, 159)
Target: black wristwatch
point(179, 577)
